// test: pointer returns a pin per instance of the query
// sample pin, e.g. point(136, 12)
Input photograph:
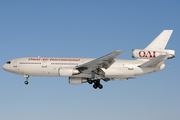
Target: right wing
point(102, 62)
point(156, 62)
point(94, 66)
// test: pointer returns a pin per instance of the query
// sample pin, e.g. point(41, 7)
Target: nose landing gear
point(26, 82)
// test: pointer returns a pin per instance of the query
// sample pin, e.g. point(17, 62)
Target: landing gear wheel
point(95, 86)
point(26, 82)
point(90, 81)
point(95, 81)
point(100, 86)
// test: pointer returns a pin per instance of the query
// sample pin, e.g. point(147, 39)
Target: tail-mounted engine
point(148, 54)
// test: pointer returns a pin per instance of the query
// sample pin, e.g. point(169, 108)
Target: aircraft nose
point(4, 67)
point(8, 68)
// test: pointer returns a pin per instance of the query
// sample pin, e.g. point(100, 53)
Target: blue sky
point(69, 28)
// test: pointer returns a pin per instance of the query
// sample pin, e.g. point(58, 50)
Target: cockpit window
point(9, 62)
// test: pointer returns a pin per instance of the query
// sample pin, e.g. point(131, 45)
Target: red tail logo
point(147, 54)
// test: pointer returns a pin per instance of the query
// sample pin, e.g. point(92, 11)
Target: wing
point(102, 62)
point(158, 61)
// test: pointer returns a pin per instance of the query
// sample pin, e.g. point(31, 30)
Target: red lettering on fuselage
point(59, 59)
point(45, 59)
point(53, 59)
point(36, 59)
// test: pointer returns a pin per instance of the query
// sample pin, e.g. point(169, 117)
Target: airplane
point(90, 70)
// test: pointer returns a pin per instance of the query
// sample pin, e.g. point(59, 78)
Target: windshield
point(9, 62)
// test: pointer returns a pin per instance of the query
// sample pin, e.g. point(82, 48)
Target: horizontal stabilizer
point(158, 61)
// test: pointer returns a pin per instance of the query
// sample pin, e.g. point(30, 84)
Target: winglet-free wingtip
point(120, 51)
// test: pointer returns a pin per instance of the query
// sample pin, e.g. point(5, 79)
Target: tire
point(100, 86)
point(95, 86)
point(90, 81)
point(26, 82)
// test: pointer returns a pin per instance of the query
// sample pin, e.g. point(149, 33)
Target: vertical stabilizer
point(160, 42)
point(156, 47)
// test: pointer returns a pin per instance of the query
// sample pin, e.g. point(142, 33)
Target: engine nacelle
point(77, 80)
point(148, 54)
point(67, 72)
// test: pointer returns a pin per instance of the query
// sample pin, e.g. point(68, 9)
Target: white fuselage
point(37, 66)
point(82, 70)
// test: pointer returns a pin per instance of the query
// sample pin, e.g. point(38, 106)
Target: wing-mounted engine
point(77, 80)
point(149, 54)
point(67, 72)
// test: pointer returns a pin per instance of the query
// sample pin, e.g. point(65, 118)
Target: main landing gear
point(96, 83)
point(26, 82)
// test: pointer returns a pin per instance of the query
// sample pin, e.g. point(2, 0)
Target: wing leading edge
point(102, 62)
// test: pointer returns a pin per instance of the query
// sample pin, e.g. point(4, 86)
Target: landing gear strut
point(96, 83)
point(26, 82)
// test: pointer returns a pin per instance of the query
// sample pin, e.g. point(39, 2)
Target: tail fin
point(160, 42)
point(156, 47)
